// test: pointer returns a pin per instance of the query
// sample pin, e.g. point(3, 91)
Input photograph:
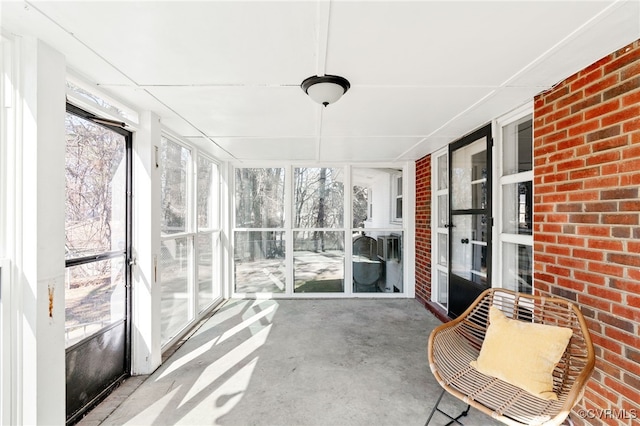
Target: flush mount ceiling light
point(325, 90)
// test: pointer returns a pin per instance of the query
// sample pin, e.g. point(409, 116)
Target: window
point(177, 246)
point(440, 220)
point(95, 226)
point(377, 258)
point(294, 232)
point(362, 205)
point(396, 198)
point(208, 233)
point(259, 238)
point(190, 235)
point(515, 209)
point(78, 90)
point(318, 255)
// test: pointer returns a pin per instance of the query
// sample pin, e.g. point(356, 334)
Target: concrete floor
point(293, 362)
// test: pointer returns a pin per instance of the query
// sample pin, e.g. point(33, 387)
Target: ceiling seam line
point(562, 42)
point(537, 60)
point(326, 38)
point(190, 124)
point(125, 75)
point(319, 137)
point(83, 43)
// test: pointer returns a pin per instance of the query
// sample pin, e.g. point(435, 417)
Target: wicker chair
point(454, 344)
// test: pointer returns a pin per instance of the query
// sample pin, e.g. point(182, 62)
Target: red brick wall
point(423, 229)
point(587, 219)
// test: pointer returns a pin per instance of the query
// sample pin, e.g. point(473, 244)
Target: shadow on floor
point(294, 362)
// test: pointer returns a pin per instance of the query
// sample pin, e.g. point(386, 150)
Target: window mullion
point(288, 226)
point(348, 224)
point(193, 227)
point(516, 178)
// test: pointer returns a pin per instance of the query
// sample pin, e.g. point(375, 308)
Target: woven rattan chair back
point(454, 344)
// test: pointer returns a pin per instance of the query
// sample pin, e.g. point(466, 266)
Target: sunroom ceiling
point(226, 74)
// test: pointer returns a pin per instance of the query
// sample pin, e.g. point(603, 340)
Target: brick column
point(423, 229)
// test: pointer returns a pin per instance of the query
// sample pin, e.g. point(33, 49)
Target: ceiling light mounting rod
point(325, 89)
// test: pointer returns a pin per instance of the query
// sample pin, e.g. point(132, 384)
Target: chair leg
point(435, 407)
point(453, 419)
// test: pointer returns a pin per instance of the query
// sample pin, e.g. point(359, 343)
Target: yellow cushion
point(523, 354)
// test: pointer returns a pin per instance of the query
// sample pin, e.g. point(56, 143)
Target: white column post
point(40, 261)
point(409, 224)
point(146, 349)
point(226, 235)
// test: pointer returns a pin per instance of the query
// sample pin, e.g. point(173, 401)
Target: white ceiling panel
point(446, 42)
point(396, 111)
point(500, 102)
point(428, 146)
point(213, 149)
point(364, 149)
point(278, 149)
point(25, 20)
point(243, 111)
point(139, 97)
point(422, 73)
point(195, 43)
point(614, 28)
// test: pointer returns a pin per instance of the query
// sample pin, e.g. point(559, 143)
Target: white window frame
point(395, 196)
point(369, 204)
point(500, 237)
point(98, 103)
point(435, 253)
point(10, 153)
point(187, 233)
point(192, 231)
point(5, 342)
point(405, 170)
point(215, 231)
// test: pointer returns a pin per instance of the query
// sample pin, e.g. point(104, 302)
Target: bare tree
point(94, 159)
point(260, 204)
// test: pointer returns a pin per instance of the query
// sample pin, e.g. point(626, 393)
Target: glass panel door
point(470, 206)
point(97, 226)
point(469, 242)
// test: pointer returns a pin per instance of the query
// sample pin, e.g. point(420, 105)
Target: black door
point(469, 219)
point(98, 247)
